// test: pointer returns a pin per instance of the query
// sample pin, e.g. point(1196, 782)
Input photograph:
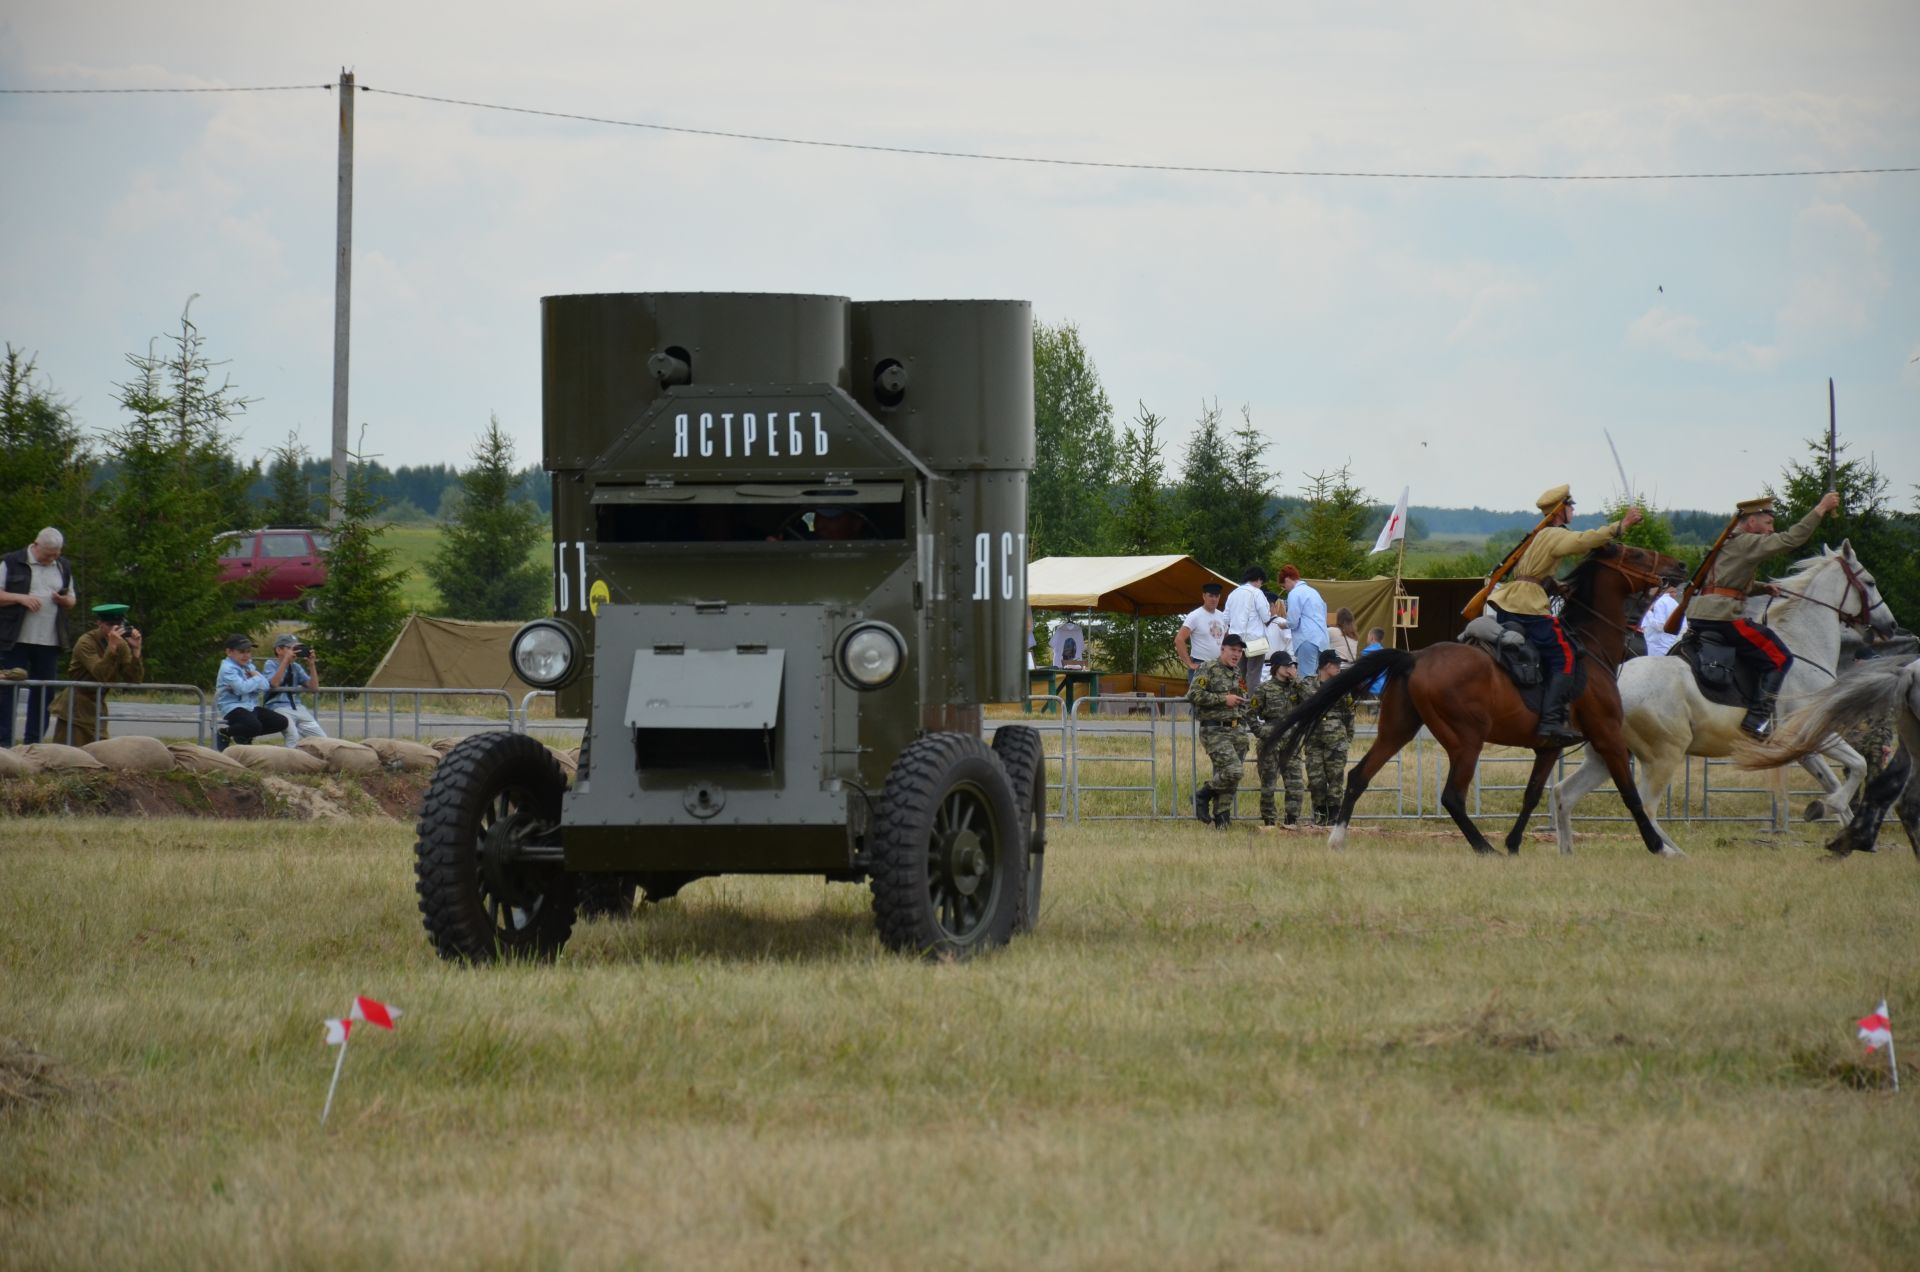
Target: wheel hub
point(966, 863)
point(502, 858)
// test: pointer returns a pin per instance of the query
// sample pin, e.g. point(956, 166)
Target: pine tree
point(1248, 505)
point(1205, 472)
point(1322, 537)
point(45, 466)
point(173, 487)
point(1074, 443)
point(359, 612)
point(1143, 522)
point(290, 502)
point(485, 567)
point(1886, 540)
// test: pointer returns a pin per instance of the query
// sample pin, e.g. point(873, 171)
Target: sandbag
point(398, 753)
point(11, 765)
point(132, 754)
point(569, 760)
point(51, 757)
point(340, 755)
point(202, 759)
point(277, 759)
point(443, 745)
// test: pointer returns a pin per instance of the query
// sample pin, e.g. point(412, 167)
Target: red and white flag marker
point(1877, 1032)
point(364, 1010)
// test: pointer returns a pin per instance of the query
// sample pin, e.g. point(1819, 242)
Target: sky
point(1471, 339)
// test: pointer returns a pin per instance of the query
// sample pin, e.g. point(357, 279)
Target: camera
point(303, 651)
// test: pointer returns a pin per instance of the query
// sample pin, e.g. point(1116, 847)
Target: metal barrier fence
point(1127, 758)
point(60, 728)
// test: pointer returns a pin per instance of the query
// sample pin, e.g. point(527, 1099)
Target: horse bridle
point(1855, 586)
point(1640, 579)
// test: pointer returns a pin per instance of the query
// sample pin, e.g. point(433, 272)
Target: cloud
point(1683, 336)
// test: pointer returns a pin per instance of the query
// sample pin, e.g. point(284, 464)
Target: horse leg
point(1543, 762)
point(1585, 780)
point(1603, 738)
point(1396, 729)
point(1463, 754)
point(1836, 795)
point(1656, 776)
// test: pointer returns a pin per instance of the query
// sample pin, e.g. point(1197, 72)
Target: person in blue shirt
point(1306, 616)
point(1375, 635)
point(287, 679)
point(238, 693)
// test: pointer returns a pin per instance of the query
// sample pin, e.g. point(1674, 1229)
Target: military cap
point(239, 640)
point(108, 613)
point(1281, 658)
point(1233, 638)
point(1558, 495)
point(1330, 656)
point(1748, 507)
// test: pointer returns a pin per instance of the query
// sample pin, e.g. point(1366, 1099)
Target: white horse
point(1667, 719)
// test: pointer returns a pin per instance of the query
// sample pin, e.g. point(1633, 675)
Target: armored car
point(789, 567)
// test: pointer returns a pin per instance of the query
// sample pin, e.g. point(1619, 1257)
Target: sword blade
point(1833, 434)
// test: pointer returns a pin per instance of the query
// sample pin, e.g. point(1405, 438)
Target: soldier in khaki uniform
point(1220, 704)
point(1522, 599)
point(107, 656)
point(1274, 701)
point(1719, 608)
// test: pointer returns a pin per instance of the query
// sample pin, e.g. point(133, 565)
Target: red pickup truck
point(286, 561)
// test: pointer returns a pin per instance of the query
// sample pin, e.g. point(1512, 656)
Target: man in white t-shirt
point(1247, 613)
point(1201, 631)
point(1653, 624)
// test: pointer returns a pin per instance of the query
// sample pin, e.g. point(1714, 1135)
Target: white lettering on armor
point(794, 441)
point(706, 434)
point(773, 434)
point(819, 435)
point(1006, 566)
point(726, 431)
point(749, 433)
point(983, 567)
point(679, 438)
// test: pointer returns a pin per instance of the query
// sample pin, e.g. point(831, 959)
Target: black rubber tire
point(605, 896)
point(486, 775)
point(931, 860)
point(1025, 760)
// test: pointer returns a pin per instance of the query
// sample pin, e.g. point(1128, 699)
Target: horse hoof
point(1815, 811)
point(1337, 837)
point(1670, 852)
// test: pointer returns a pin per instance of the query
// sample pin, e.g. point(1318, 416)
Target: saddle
point(1513, 653)
point(1723, 676)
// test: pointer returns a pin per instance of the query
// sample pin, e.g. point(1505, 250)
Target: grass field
point(1218, 1051)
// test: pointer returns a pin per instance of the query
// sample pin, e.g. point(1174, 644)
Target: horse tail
point(1290, 733)
point(1864, 692)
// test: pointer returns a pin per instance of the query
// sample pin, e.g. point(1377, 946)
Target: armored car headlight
point(545, 653)
point(870, 655)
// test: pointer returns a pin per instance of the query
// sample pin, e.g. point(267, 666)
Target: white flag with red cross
point(1396, 527)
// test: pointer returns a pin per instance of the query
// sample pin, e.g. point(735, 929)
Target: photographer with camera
point(109, 654)
point(287, 678)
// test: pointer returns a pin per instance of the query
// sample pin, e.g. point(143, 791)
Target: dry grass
point(1218, 1051)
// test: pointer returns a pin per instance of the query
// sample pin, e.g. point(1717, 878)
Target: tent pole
point(1399, 569)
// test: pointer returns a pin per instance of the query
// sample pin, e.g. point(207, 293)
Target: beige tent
point(1132, 585)
point(450, 653)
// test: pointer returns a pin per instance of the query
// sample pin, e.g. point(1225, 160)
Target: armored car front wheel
point(487, 861)
point(949, 849)
point(1025, 760)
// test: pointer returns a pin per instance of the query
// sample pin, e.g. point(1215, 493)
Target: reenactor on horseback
point(1219, 702)
point(1719, 608)
point(1522, 600)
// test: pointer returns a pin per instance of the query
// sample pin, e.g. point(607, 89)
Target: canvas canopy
point(1133, 585)
point(450, 653)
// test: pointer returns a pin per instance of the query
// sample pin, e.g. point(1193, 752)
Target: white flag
point(1396, 527)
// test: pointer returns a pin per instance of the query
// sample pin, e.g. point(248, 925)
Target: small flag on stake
point(338, 1032)
point(1877, 1032)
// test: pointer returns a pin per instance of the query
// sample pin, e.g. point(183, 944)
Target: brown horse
point(1466, 701)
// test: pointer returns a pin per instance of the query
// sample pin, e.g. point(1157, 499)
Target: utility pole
point(342, 296)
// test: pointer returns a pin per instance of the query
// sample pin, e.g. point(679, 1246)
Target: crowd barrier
point(125, 703)
point(1128, 758)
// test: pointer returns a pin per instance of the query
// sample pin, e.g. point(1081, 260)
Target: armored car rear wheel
point(486, 862)
point(1024, 759)
point(949, 850)
point(605, 896)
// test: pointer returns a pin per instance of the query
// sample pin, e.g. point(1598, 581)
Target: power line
point(244, 88)
point(989, 157)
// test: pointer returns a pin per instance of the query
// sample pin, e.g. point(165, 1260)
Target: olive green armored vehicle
point(789, 567)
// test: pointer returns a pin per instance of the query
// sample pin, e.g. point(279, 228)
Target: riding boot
point(1554, 728)
point(1759, 719)
point(1203, 804)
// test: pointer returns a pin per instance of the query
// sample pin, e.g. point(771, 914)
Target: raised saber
point(1833, 436)
point(1626, 487)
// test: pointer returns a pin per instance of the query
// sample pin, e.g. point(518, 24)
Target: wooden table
point(1061, 681)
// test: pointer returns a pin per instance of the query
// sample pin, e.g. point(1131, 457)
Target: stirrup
point(1757, 724)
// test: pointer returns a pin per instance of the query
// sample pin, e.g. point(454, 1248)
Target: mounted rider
point(1522, 600)
point(1719, 608)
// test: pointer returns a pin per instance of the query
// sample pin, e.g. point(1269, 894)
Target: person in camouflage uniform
point(1220, 706)
point(1874, 738)
point(1326, 748)
point(1273, 702)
